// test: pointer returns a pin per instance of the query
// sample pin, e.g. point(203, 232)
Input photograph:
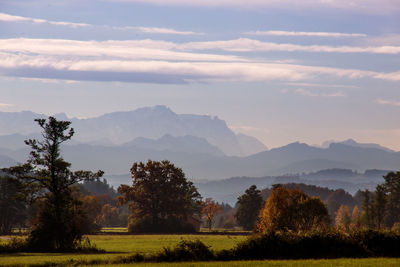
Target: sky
point(279, 70)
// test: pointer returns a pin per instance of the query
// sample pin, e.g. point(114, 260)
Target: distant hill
point(228, 190)
point(352, 142)
point(200, 160)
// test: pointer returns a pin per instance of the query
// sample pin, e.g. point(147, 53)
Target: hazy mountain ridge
point(205, 164)
point(195, 154)
point(148, 122)
point(352, 142)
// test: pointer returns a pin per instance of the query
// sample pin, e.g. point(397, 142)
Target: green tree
point(12, 204)
point(59, 220)
point(292, 209)
point(161, 198)
point(392, 186)
point(379, 206)
point(367, 210)
point(248, 207)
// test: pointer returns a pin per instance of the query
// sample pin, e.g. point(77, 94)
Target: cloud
point(388, 102)
point(251, 45)
point(303, 92)
point(155, 30)
point(133, 50)
point(322, 85)
point(309, 34)
point(150, 30)
point(11, 18)
point(6, 105)
point(151, 61)
point(393, 76)
point(385, 39)
point(370, 6)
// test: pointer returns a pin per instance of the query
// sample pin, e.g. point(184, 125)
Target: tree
point(12, 204)
point(161, 198)
point(291, 209)
point(249, 206)
point(355, 218)
point(58, 223)
point(392, 188)
point(343, 218)
point(379, 206)
point(109, 216)
point(210, 209)
point(367, 214)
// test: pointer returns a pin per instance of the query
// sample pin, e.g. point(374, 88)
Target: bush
point(378, 243)
point(14, 245)
point(186, 251)
point(316, 244)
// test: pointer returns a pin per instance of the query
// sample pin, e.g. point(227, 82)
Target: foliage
point(292, 209)
point(14, 245)
point(392, 190)
point(226, 218)
point(161, 198)
point(209, 210)
point(12, 204)
point(381, 208)
point(378, 243)
point(343, 218)
point(249, 206)
point(58, 224)
point(287, 245)
point(185, 250)
point(332, 198)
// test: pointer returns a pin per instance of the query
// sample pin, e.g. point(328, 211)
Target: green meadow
point(117, 246)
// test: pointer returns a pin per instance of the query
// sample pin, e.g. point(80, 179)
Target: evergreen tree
point(59, 222)
point(249, 206)
point(392, 186)
point(379, 206)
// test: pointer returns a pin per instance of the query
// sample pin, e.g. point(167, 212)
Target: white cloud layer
point(150, 30)
point(251, 45)
point(388, 102)
point(308, 34)
point(150, 61)
point(304, 92)
point(11, 18)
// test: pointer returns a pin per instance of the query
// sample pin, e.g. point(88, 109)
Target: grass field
point(124, 245)
point(120, 245)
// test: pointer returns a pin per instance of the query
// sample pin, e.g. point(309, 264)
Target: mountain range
point(155, 122)
point(203, 146)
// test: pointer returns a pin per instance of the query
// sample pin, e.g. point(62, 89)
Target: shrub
point(288, 245)
point(379, 243)
point(186, 251)
point(14, 245)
